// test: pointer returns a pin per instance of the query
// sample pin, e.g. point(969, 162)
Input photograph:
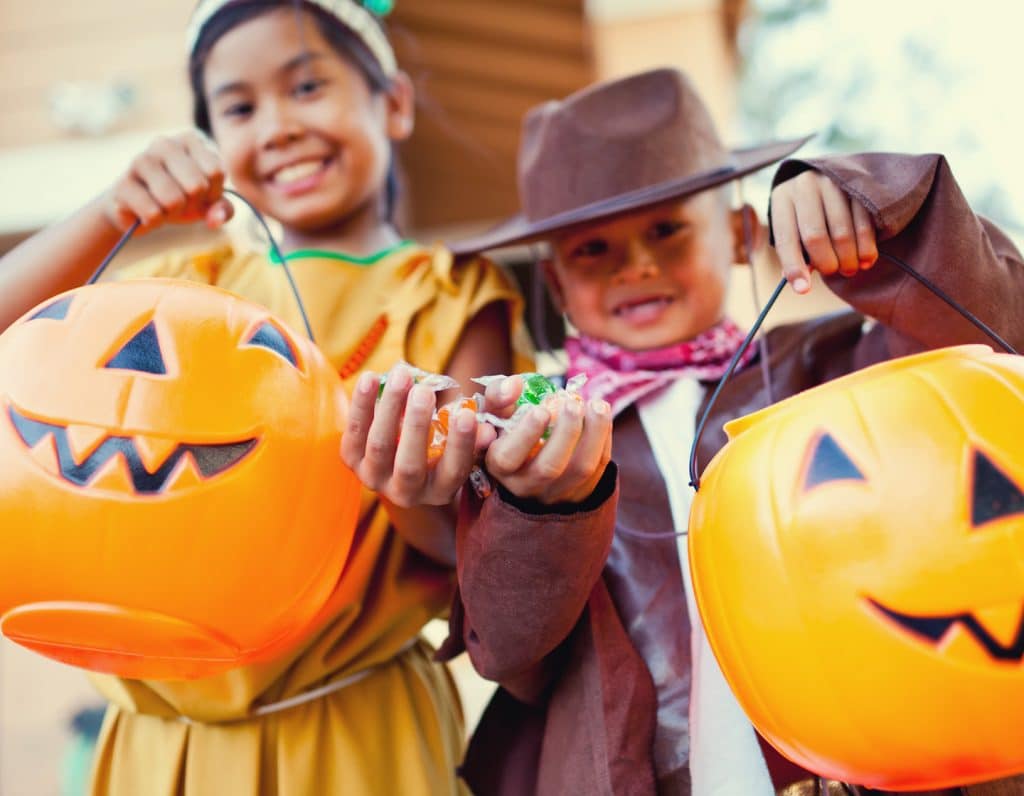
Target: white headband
point(350, 13)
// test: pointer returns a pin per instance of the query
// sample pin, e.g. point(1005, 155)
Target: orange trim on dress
point(366, 346)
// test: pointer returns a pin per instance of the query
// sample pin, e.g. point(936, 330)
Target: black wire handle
point(904, 266)
point(274, 248)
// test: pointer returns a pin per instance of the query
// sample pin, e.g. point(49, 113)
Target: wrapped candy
point(439, 425)
point(437, 382)
point(538, 390)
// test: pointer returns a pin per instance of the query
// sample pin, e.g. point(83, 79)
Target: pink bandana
point(623, 377)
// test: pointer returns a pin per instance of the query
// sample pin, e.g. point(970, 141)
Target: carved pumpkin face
point(173, 497)
point(858, 560)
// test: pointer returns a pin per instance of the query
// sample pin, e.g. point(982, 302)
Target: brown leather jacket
point(585, 626)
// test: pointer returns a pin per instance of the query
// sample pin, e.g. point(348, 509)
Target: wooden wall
point(478, 66)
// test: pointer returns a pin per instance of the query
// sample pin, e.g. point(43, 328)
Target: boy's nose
point(639, 262)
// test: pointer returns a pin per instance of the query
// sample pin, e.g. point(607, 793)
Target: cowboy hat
point(616, 147)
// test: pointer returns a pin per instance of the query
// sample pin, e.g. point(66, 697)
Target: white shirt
point(725, 756)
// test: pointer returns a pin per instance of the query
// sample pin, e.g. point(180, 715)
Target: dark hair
point(341, 39)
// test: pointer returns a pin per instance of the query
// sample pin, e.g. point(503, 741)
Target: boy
point(607, 682)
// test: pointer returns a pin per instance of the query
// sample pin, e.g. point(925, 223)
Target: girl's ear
point(401, 107)
point(554, 285)
point(748, 234)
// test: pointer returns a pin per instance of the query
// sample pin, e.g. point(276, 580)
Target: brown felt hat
point(616, 147)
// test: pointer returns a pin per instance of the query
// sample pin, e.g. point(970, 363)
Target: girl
point(304, 102)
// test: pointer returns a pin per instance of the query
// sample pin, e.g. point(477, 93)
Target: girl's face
point(301, 134)
point(648, 279)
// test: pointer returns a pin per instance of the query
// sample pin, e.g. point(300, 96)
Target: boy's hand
point(385, 442)
point(811, 214)
point(568, 466)
point(178, 179)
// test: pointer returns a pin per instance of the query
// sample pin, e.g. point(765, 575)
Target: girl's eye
point(665, 229)
point(591, 248)
point(239, 109)
point(307, 87)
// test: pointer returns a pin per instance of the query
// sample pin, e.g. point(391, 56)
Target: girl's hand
point(811, 214)
point(568, 466)
point(385, 442)
point(178, 179)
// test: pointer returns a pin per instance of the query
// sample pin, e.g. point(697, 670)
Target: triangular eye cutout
point(141, 353)
point(830, 463)
point(269, 336)
point(995, 495)
point(57, 310)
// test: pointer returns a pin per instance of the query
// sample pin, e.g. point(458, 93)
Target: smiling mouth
point(933, 629)
point(296, 173)
point(641, 308)
point(208, 460)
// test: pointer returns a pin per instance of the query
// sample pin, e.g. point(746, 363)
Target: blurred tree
point(884, 75)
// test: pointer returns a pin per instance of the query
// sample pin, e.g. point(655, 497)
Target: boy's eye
point(591, 248)
point(665, 229)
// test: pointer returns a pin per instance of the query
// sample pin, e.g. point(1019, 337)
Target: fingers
point(180, 176)
point(867, 243)
point(839, 223)
point(571, 461)
point(458, 458)
point(382, 439)
point(816, 225)
point(409, 471)
point(360, 416)
point(509, 452)
point(787, 241)
point(813, 228)
point(132, 202)
point(554, 457)
point(500, 396)
point(219, 213)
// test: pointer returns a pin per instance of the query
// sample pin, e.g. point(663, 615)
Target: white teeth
point(298, 171)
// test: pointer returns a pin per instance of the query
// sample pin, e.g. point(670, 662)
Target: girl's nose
point(279, 126)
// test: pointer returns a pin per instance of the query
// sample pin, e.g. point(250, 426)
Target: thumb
point(219, 213)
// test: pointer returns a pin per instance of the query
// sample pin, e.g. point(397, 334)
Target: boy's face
point(650, 278)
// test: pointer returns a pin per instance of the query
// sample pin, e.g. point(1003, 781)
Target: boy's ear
point(554, 285)
point(748, 234)
point(401, 107)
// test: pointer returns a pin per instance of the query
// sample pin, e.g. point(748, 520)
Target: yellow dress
point(396, 730)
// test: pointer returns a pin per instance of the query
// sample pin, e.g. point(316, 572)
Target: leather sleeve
point(524, 581)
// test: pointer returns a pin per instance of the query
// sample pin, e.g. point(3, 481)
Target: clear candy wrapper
point(538, 390)
point(437, 382)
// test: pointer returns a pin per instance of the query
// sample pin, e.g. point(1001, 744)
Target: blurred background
point(84, 86)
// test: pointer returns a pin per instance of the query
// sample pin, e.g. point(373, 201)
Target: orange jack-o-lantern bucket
point(172, 495)
point(858, 560)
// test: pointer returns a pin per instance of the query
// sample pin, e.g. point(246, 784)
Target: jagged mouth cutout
point(210, 460)
point(994, 496)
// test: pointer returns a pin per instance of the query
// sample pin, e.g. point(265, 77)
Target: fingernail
point(572, 408)
point(602, 407)
point(539, 414)
point(421, 396)
point(367, 383)
point(465, 421)
point(508, 387)
point(399, 379)
point(801, 285)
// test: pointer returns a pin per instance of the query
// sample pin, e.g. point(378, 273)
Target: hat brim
point(520, 229)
